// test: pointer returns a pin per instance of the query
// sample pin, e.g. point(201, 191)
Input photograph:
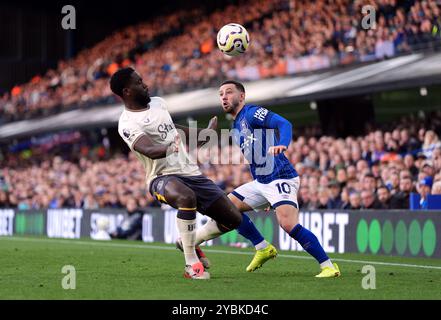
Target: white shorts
point(278, 192)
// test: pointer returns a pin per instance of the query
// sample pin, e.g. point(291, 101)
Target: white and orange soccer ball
point(233, 39)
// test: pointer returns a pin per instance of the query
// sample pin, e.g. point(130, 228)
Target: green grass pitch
point(30, 268)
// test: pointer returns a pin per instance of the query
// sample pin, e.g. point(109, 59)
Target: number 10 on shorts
point(283, 188)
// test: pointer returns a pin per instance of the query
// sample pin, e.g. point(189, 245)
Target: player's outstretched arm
point(285, 133)
point(147, 147)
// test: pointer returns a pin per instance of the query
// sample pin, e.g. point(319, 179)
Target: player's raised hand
point(213, 123)
point(275, 150)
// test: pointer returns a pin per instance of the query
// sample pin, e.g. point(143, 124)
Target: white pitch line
point(206, 249)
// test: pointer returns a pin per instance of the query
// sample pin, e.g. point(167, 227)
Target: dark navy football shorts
point(206, 191)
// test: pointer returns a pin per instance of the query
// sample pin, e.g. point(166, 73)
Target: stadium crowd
point(375, 171)
point(176, 52)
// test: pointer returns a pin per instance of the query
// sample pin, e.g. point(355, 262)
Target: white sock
point(327, 263)
point(261, 245)
point(208, 231)
point(187, 232)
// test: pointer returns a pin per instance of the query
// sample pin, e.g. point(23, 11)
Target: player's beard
point(143, 99)
point(233, 106)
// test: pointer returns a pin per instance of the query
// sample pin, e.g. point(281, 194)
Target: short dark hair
point(120, 80)
point(369, 175)
point(238, 85)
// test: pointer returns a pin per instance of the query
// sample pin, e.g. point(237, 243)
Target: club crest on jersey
point(126, 133)
point(243, 125)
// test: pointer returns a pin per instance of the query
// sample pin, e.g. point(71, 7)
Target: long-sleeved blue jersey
point(253, 134)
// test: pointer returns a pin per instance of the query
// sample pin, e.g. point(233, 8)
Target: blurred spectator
point(436, 188)
point(131, 227)
point(304, 197)
point(409, 162)
point(431, 142)
point(369, 182)
point(427, 168)
point(369, 201)
point(323, 197)
point(383, 196)
point(4, 200)
point(314, 202)
point(354, 201)
point(335, 201)
point(393, 183)
point(401, 200)
point(425, 187)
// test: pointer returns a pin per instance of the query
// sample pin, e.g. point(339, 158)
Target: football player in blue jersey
point(263, 136)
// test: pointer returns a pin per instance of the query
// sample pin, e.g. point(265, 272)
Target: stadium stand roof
point(397, 73)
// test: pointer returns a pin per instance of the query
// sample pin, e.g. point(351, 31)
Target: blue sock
point(249, 230)
point(309, 242)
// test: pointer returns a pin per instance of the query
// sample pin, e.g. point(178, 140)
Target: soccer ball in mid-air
point(233, 39)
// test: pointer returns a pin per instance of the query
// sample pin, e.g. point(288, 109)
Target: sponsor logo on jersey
point(126, 133)
point(261, 114)
point(164, 129)
point(248, 141)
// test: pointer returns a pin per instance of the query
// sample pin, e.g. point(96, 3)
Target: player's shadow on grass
point(264, 275)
